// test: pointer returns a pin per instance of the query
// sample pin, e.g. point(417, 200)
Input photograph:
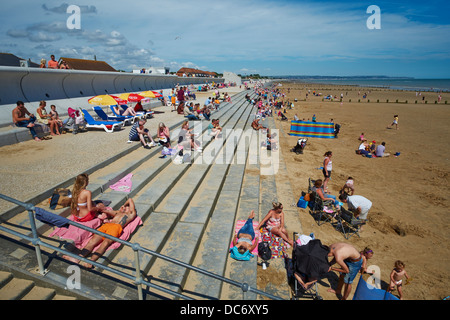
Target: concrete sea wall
point(73, 88)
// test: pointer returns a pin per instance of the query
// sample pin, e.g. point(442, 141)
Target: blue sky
point(269, 37)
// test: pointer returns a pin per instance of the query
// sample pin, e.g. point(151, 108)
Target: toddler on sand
point(396, 278)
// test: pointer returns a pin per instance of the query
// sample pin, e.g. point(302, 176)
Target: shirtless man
point(350, 261)
point(120, 218)
point(19, 114)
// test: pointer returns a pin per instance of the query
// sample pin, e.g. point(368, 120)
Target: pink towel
point(76, 234)
point(239, 225)
point(123, 184)
point(81, 237)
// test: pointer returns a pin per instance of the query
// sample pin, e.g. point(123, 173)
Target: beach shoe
point(146, 147)
point(129, 141)
point(152, 144)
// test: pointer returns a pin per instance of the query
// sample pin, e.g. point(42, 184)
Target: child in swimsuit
point(396, 278)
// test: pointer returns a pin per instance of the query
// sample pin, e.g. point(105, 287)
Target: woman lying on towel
point(274, 222)
point(83, 209)
point(244, 238)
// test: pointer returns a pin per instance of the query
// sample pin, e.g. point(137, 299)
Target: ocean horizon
point(410, 84)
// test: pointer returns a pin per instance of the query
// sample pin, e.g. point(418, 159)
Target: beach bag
point(61, 198)
point(264, 251)
point(302, 203)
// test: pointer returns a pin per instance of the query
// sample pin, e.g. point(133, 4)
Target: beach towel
point(81, 237)
point(276, 244)
point(50, 218)
point(77, 235)
point(239, 225)
point(312, 129)
point(123, 184)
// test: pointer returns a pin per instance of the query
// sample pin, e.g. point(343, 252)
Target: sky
point(267, 37)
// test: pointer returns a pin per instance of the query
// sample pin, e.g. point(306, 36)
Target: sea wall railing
point(35, 240)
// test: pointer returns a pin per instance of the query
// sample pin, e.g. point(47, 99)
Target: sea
point(412, 84)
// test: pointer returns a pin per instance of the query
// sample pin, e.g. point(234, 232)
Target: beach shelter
point(312, 129)
point(365, 291)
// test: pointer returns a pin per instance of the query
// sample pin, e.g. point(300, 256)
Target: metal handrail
point(136, 247)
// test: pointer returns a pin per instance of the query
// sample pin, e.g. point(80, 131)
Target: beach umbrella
point(150, 94)
point(131, 97)
point(106, 100)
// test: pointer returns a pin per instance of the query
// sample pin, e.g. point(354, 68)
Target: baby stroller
point(75, 122)
point(298, 149)
point(309, 263)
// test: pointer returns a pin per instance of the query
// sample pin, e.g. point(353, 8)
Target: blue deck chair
point(108, 126)
point(131, 118)
point(102, 115)
point(145, 114)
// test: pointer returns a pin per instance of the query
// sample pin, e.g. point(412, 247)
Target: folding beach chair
point(108, 126)
point(104, 117)
point(348, 224)
point(322, 210)
point(310, 263)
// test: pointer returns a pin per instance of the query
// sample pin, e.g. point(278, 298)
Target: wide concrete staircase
point(188, 213)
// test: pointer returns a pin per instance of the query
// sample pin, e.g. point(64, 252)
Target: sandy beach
point(409, 218)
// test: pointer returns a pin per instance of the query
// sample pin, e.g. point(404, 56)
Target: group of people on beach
point(350, 260)
point(23, 118)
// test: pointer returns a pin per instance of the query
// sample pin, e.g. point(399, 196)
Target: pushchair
point(75, 122)
point(309, 263)
point(300, 146)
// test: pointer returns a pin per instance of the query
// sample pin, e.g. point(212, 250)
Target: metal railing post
point(137, 265)
point(35, 242)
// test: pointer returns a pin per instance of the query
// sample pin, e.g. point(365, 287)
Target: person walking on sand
point(394, 122)
point(327, 167)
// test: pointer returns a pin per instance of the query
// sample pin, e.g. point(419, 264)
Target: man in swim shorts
point(350, 261)
point(120, 218)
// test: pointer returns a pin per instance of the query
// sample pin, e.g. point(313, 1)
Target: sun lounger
point(145, 114)
point(133, 118)
point(102, 115)
point(108, 126)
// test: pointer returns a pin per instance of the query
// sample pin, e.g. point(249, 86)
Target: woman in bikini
point(274, 221)
point(83, 209)
point(243, 240)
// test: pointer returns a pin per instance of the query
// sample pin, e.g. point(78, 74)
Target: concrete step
point(14, 288)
